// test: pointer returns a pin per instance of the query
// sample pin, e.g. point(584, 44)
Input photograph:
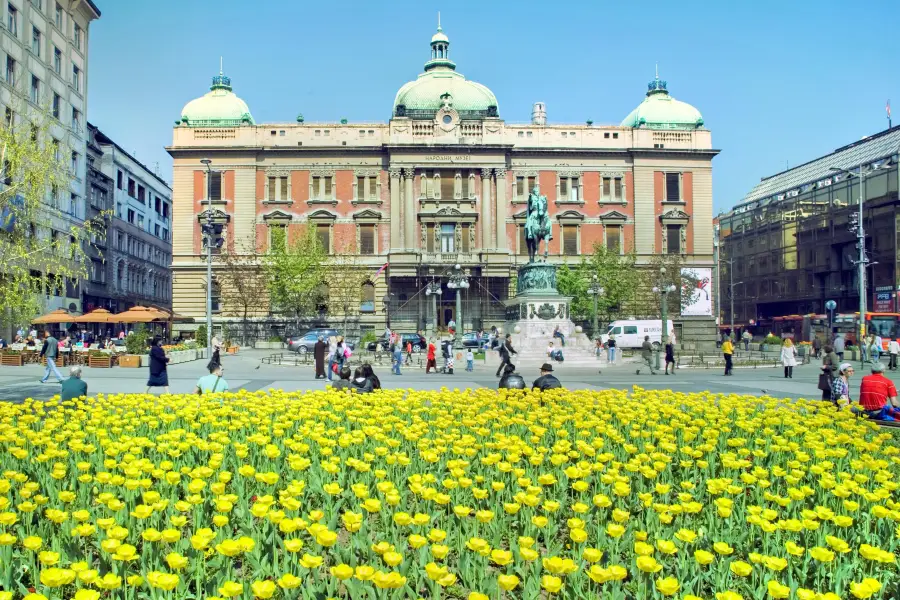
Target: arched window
point(367, 297)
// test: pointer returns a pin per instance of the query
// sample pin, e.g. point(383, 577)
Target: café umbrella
point(139, 314)
point(60, 315)
point(100, 315)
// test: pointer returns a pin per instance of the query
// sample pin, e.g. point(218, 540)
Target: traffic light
point(213, 235)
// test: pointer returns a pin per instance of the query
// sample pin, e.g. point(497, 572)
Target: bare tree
point(243, 285)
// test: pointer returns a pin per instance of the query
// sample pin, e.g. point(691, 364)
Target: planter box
point(100, 362)
point(183, 356)
point(269, 345)
point(130, 361)
point(232, 349)
point(11, 360)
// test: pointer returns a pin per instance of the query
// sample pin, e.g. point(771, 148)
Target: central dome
point(441, 86)
point(219, 107)
point(659, 110)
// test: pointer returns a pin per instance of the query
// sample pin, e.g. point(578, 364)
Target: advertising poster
point(698, 301)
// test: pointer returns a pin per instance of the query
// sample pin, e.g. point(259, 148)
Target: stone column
point(409, 211)
point(501, 209)
point(396, 229)
point(486, 209)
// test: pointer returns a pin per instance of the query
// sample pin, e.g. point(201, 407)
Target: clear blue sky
point(777, 82)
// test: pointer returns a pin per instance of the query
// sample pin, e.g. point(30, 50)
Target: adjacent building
point(443, 182)
point(44, 49)
point(130, 264)
point(790, 245)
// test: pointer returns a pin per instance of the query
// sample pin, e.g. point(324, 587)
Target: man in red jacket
point(878, 395)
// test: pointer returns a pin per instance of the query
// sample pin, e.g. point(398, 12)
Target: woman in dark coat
point(319, 352)
point(369, 374)
point(159, 376)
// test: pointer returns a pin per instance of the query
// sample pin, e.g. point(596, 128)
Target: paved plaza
point(246, 371)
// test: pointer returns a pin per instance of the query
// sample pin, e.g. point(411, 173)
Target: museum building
point(443, 183)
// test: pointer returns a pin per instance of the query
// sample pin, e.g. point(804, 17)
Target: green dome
point(659, 110)
point(440, 85)
point(219, 107)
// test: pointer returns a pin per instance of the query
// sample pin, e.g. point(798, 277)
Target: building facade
point(790, 245)
point(96, 292)
point(44, 46)
point(137, 248)
point(444, 182)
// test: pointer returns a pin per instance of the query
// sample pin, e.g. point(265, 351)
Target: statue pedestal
point(537, 310)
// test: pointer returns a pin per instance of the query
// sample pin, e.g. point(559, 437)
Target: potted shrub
point(11, 358)
point(136, 346)
point(99, 360)
point(231, 347)
point(771, 342)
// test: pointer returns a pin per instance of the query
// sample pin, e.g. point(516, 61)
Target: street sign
point(830, 305)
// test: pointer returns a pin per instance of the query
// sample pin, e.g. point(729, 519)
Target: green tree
point(41, 250)
point(295, 273)
point(614, 272)
point(242, 285)
point(345, 277)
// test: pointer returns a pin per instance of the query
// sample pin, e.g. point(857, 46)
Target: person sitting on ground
point(877, 395)
point(73, 387)
point(214, 382)
point(361, 383)
point(510, 379)
point(369, 374)
point(559, 334)
point(553, 353)
point(547, 381)
point(344, 382)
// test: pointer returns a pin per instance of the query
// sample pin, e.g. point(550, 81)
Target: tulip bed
point(455, 494)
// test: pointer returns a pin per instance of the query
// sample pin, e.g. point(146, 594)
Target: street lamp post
point(386, 300)
point(433, 289)
point(459, 281)
point(731, 284)
point(209, 227)
point(595, 291)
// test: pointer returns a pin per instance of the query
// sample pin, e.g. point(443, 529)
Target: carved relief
point(458, 237)
point(366, 172)
point(448, 211)
point(277, 172)
point(486, 173)
point(409, 172)
point(424, 236)
point(471, 237)
point(395, 172)
point(501, 172)
point(322, 173)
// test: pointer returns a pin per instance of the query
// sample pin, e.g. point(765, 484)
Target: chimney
point(539, 114)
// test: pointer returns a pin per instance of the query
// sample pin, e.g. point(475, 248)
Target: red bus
point(886, 325)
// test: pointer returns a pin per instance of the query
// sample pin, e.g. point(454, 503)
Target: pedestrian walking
point(430, 360)
point(159, 375)
point(336, 357)
point(747, 337)
point(893, 351)
point(647, 354)
point(320, 351)
point(216, 348)
point(470, 360)
point(788, 358)
point(447, 354)
point(727, 352)
point(397, 354)
point(670, 357)
point(830, 364)
point(50, 351)
point(839, 344)
point(611, 348)
point(816, 346)
point(877, 347)
point(409, 350)
point(506, 350)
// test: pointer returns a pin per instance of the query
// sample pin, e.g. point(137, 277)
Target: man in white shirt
point(893, 350)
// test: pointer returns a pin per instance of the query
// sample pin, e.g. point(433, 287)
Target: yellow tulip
point(778, 590)
point(289, 582)
point(740, 568)
point(230, 589)
point(507, 582)
point(263, 589)
point(667, 586)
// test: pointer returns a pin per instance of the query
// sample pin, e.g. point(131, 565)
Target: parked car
point(472, 340)
point(418, 342)
point(304, 343)
point(630, 333)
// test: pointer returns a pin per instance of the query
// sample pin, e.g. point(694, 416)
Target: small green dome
point(659, 110)
point(219, 107)
point(440, 85)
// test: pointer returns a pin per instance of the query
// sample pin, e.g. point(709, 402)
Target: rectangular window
point(564, 188)
point(324, 234)
point(76, 119)
point(156, 230)
point(367, 239)
point(77, 36)
point(520, 187)
point(530, 185)
point(429, 238)
point(273, 188)
point(10, 70)
point(36, 41)
point(613, 238)
point(140, 224)
point(523, 245)
point(131, 216)
point(360, 188)
point(617, 188)
point(157, 206)
point(574, 188)
point(35, 89)
point(466, 232)
point(76, 78)
point(119, 179)
point(58, 15)
point(371, 193)
point(141, 194)
point(448, 187)
point(165, 210)
point(131, 187)
point(215, 185)
point(56, 154)
point(607, 188)
point(570, 240)
point(165, 234)
point(74, 163)
point(57, 101)
point(673, 239)
point(316, 190)
point(328, 188)
point(673, 187)
point(57, 60)
point(448, 237)
point(12, 19)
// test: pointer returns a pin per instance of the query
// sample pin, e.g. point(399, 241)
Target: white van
point(630, 333)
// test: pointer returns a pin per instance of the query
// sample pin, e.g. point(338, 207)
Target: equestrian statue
point(537, 224)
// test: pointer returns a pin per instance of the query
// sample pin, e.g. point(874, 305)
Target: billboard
point(696, 301)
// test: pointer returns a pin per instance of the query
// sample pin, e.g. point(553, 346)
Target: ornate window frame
point(364, 199)
point(324, 217)
point(570, 217)
point(367, 217)
point(681, 201)
point(679, 218)
point(314, 197)
point(612, 199)
point(285, 173)
point(570, 175)
point(526, 173)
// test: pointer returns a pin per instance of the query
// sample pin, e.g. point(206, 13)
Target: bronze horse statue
point(537, 224)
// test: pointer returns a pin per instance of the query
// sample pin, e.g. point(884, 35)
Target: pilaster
point(486, 209)
point(501, 209)
point(396, 229)
point(409, 211)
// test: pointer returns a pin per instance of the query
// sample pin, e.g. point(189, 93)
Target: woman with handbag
point(830, 365)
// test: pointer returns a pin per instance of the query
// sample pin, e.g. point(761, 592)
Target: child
point(470, 360)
